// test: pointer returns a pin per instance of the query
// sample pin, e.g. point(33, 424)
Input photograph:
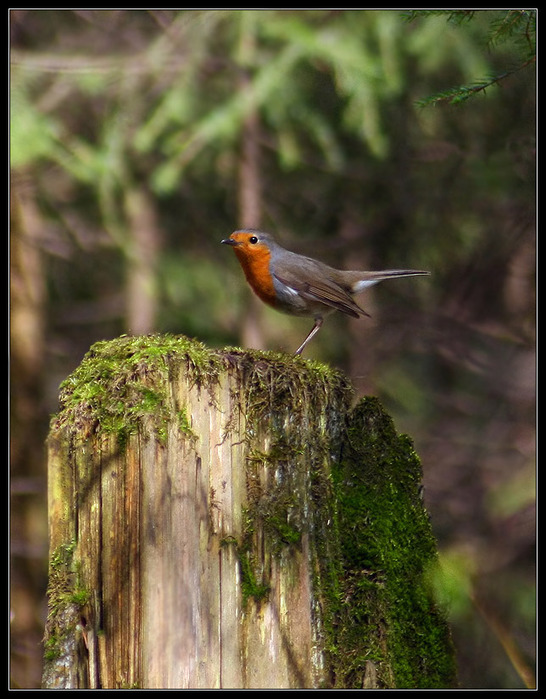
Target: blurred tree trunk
point(27, 430)
point(144, 247)
point(223, 520)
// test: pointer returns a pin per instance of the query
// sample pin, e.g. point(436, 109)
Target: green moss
point(80, 597)
point(62, 556)
point(51, 649)
point(66, 597)
point(284, 532)
point(277, 384)
point(122, 381)
point(387, 546)
point(184, 424)
point(250, 587)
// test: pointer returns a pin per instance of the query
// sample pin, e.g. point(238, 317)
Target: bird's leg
point(314, 331)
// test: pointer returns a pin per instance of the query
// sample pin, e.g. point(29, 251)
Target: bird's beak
point(229, 241)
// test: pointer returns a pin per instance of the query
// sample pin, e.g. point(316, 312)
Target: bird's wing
point(322, 290)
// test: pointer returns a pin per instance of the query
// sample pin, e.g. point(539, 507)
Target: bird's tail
point(362, 280)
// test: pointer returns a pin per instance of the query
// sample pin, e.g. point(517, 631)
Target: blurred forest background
point(369, 139)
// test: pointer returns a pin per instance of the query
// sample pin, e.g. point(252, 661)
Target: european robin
point(299, 285)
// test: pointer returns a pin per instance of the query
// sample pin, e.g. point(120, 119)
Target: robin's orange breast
point(256, 267)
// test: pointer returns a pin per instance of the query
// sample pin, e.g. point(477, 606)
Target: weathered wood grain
point(181, 538)
point(224, 520)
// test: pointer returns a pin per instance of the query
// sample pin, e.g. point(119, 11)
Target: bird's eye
point(253, 240)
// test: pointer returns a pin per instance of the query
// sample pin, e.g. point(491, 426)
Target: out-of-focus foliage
point(130, 134)
point(517, 27)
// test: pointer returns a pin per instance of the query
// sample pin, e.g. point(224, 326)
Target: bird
point(299, 285)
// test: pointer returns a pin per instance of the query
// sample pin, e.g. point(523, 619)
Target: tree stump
point(225, 520)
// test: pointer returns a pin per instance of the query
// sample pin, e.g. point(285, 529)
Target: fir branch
point(457, 95)
point(519, 25)
point(516, 25)
point(453, 16)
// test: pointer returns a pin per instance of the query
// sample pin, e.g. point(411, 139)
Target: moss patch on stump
point(391, 634)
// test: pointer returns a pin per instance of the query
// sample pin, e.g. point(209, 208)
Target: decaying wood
point(177, 540)
point(193, 521)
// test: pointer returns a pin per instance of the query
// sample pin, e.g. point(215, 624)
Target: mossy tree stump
point(224, 519)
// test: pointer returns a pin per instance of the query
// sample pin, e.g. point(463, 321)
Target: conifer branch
point(457, 95)
point(516, 25)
